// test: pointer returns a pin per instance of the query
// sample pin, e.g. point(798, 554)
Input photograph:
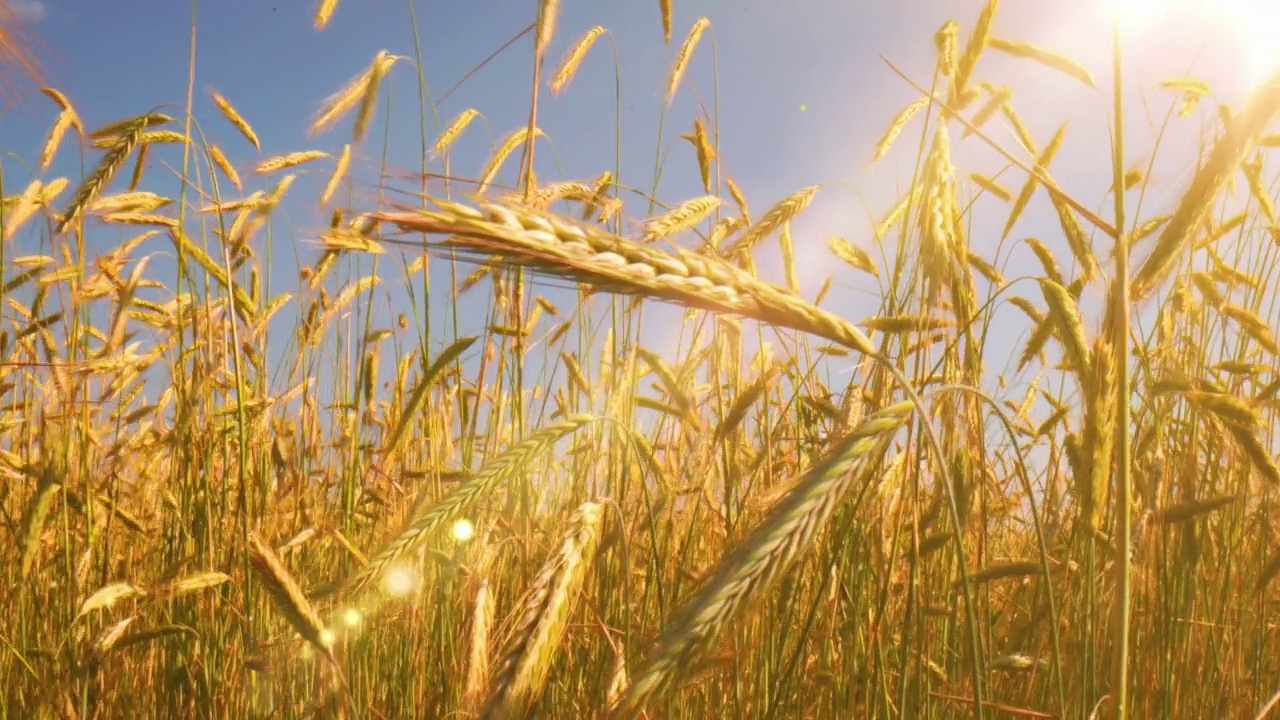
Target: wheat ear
point(768, 552)
point(1241, 134)
point(497, 470)
point(562, 248)
point(289, 598)
point(532, 647)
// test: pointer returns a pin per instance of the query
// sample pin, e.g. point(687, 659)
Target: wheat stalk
point(682, 60)
point(768, 553)
point(280, 162)
point(561, 248)
point(1231, 149)
point(235, 118)
point(496, 471)
point(569, 66)
point(529, 653)
point(289, 598)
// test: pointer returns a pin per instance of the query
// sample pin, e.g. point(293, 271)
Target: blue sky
point(803, 97)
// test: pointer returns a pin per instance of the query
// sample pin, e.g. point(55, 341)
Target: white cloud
point(29, 11)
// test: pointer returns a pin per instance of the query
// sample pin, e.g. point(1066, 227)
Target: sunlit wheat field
point(666, 359)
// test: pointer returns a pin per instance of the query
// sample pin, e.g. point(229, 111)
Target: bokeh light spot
point(399, 581)
point(463, 530)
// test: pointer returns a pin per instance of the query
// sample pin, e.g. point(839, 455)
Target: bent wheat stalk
point(449, 508)
point(532, 647)
point(554, 247)
point(770, 551)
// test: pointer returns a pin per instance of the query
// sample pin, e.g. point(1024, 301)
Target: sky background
point(803, 96)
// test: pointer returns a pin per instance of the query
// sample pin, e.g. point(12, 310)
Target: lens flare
point(463, 530)
point(399, 581)
point(351, 617)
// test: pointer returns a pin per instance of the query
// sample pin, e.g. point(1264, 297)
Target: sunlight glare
point(1252, 25)
point(351, 617)
point(1134, 14)
point(399, 581)
point(1257, 24)
point(463, 530)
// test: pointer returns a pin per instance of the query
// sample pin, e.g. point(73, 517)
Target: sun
point(1253, 26)
point(1257, 24)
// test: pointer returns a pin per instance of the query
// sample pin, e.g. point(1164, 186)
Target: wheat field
point(222, 498)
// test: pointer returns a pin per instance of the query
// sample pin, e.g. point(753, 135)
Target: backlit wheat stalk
point(559, 248)
point(289, 598)
point(762, 558)
point(455, 504)
point(528, 655)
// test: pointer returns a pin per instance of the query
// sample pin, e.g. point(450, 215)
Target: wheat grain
point(111, 162)
point(476, 686)
point(896, 125)
point(991, 186)
point(944, 42)
point(280, 162)
point(509, 144)
point(356, 91)
point(289, 598)
point(456, 503)
point(997, 98)
point(786, 209)
point(555, 246)
point(1049, 59)
point(853, 255)
point(705, 151)
point(66, 119)
point(972, 51)
point(25, 207)
point(548, 12)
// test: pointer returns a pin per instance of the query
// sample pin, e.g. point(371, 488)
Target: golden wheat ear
point(770, 551)
point(289, 599)
point(562, 249)
point(526, 660)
